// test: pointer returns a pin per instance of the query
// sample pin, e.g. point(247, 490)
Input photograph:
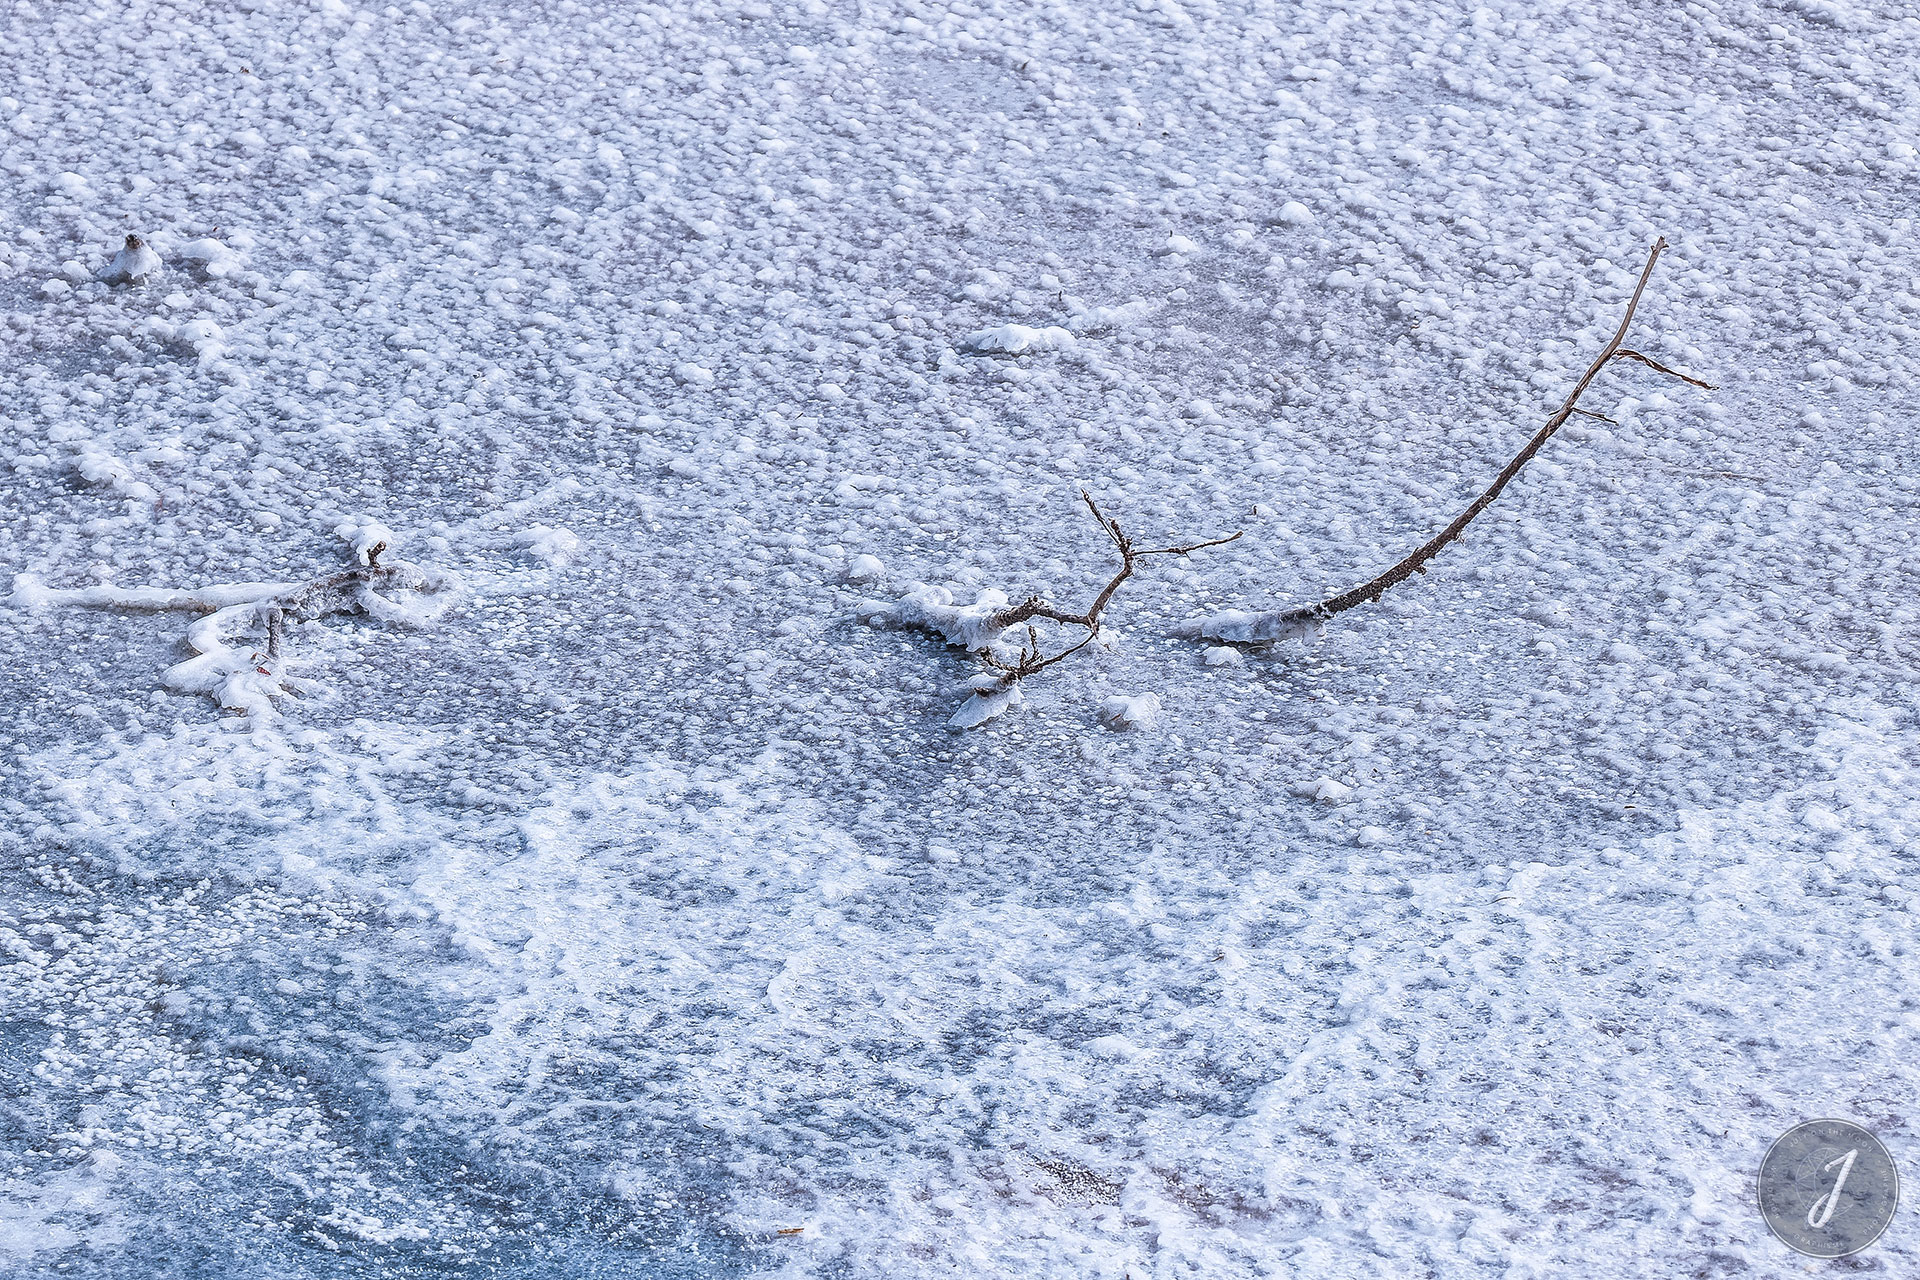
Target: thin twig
point(1651, 363)
point(1416, 563)
point(1030, 659)
point(1035, 607)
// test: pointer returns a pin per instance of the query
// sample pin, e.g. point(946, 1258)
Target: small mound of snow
point(1824, 820)
point(1117, 1048)
point(208, 340)
point(1295, 214)
point(1016, 339)
point(215, 258)
point(556, 547)
point(370, 538)
point(932, 609)
point(98, 467)
point(29, 592)
point(135, 264)
point(991, 698)
point(1121, 712)
point(865, 569)
point(1324, 789)
point(1087, 320)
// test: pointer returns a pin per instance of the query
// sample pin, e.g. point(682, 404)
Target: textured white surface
point(646, 909)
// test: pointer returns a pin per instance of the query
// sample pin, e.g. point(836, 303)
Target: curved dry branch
point(1267, 628)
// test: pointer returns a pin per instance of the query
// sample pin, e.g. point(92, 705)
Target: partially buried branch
point(1130, 557)
point(1238, 627)
point(980, 626)
point(229, 665)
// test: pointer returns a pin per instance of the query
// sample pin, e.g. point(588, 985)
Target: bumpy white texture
point(646, 908)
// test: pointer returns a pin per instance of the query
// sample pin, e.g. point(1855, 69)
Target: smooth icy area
point(644, 908)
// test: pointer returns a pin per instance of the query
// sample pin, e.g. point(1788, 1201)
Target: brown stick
point(1415, 563)
point(1035, 607)
point(1030, 659)
point(1624, 354)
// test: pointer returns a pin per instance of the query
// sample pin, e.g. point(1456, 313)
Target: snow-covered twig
point(240, 645)
point(1235, 626)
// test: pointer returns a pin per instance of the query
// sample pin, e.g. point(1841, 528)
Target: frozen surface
point(644, 909)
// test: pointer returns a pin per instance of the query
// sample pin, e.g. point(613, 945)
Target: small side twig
point(1033, 607)
point(1625, 354)
point(1130, 557)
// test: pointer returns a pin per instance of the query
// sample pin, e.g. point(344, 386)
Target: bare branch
point(1035, 607)
point(1266, 628)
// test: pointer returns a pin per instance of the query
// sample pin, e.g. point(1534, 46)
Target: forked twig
point(1029, 661)
point(1032, 607)
point(979, 627)
point(1130, 556)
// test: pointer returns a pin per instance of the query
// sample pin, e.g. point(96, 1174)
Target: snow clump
point(369, 538)
point(992, 697)
point(135, 264)
point(932, 609)
point(1016, 339)
point(1121, 712)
